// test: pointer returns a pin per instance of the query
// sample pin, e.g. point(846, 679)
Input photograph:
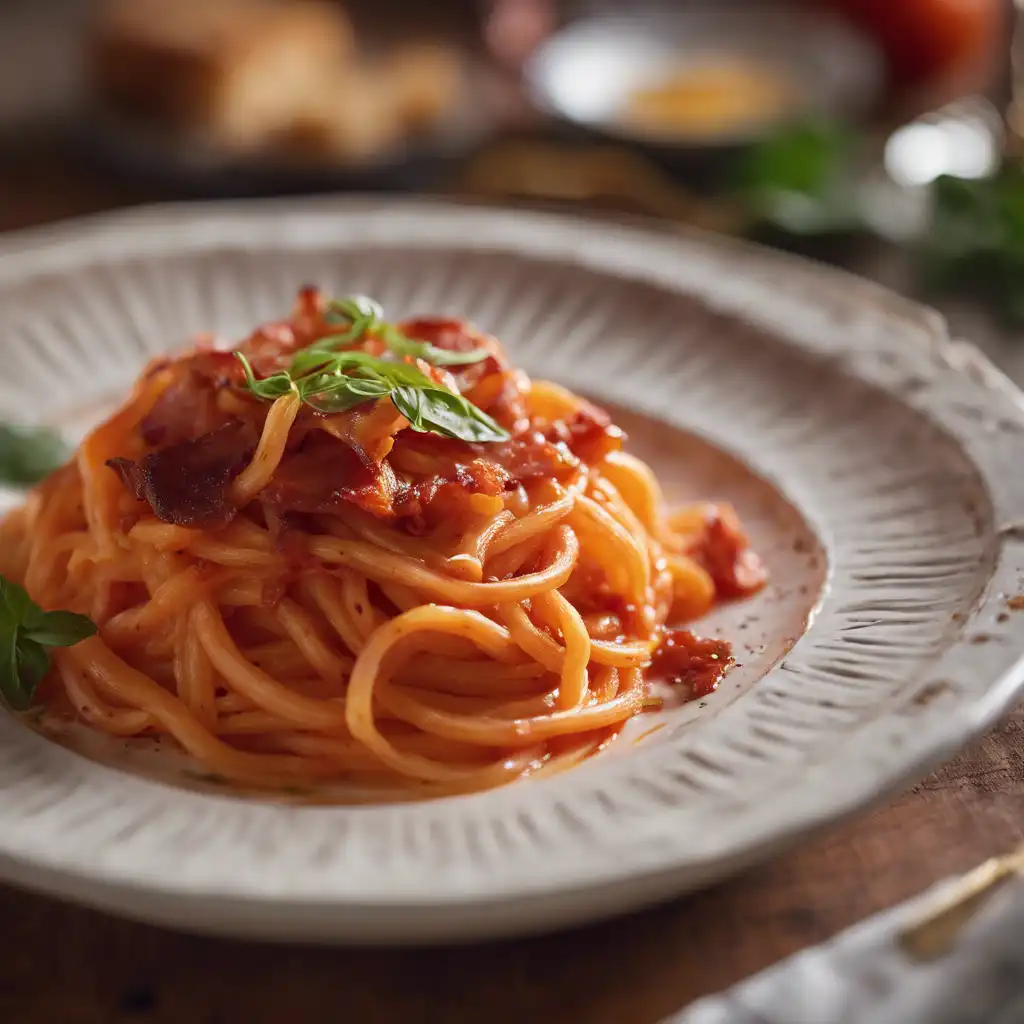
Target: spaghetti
point(298, 591)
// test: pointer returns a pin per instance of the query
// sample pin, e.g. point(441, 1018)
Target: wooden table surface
point(65, 965)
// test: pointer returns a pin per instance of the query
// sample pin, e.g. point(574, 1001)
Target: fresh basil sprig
point(360, 316)
point(26, 631)
point(331, 382)
point(27, 454)
point(275, 386)
point(435, 411)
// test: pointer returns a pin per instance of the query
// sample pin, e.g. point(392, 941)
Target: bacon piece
point(521, 459)
point(368, 429)
point(529, 458)
point(448, 333)
point(189, 483)
point(186, 409)
point(324, 474)
point(308, 315)
point(478, 477)
point(320, 479)
point(218, 366)
point(500, 394)
point(270, 347)
point(458, 336)
point(588, 434)
point(722, 548)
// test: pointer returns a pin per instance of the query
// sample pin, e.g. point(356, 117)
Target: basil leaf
point(356, 307)
point(433, 410)
point(15, 696)
point(381, 369)
point(329, 342)
point(27, 454)
point(25, 663)
point(347, 393)
point(307, 360)
point(367, 388)
point(31, 665)
point(15, 604)
point(402, 374)
point(429, 353)
point(25, 633)
point(57, 629)
point(332, 382)
point(359, 311)
point(275, 386)
point(363, 316)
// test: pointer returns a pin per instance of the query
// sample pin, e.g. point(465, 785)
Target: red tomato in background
point(923, 39)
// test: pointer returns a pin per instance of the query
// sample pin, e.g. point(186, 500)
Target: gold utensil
point(935, 933)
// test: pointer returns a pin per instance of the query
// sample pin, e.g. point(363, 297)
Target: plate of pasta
point(407, 572)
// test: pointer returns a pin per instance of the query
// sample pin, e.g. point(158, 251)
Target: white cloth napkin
point(863, 976)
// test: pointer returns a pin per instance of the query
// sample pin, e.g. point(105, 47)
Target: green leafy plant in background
point(975, 243)
point(801, 180)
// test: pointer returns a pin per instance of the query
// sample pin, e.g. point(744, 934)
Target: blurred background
point(881, 135)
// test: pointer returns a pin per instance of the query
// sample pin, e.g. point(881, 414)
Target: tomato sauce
point(683, 659)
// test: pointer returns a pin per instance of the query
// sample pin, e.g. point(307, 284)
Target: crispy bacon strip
point(478, 477)
point(189, 483)
point(589, 434)
point(499, 395)
point(450, 334)
point(529, 458)
point(186, 409)
point(520, 459)
point(368, 429)
point(320, 479)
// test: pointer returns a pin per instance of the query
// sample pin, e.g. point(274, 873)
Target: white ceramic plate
point(877, 463)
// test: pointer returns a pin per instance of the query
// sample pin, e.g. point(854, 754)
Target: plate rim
point(51, 248)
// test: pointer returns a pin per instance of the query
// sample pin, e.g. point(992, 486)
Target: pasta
point(371, 554)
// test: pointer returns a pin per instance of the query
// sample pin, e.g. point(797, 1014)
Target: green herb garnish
point(331, 382)
point(361, 316)
point(27, 454)
point(26, 631)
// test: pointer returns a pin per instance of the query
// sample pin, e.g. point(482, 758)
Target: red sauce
point(683, 659)
point(722, 550)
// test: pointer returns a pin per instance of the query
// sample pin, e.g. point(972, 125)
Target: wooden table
point(63, 965)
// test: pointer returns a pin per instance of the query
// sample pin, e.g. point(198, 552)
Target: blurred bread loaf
point(353, 119)
point(371, 106)
point(283, 78)
point(424, 82)
point(234, 69)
